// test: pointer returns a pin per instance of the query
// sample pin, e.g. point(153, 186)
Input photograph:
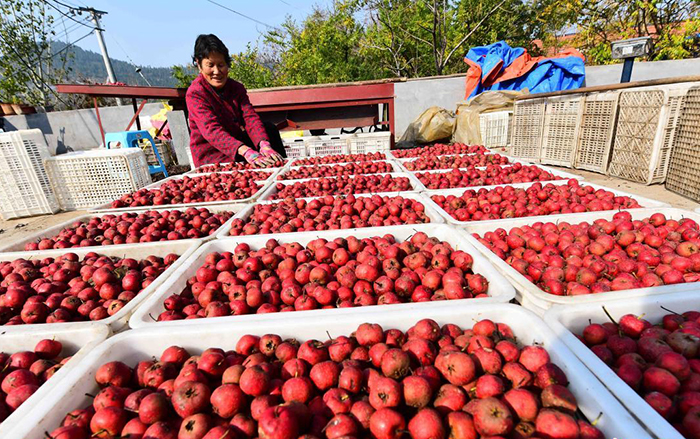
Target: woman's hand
point(266, 150)
point(255, 158)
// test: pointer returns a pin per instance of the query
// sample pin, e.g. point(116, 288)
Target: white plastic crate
point(570, 320)
point(119, 320)
point(295, 147)
point(500, 291)
point(532, 297)
point(76, 342)
point(595, 138)
point(378, 141)
point(25, 189)
point(271, 189)
point(645, 132)
point(553, 171)
point(684, 166)
point(644, 202)
point(562, 119)
point(133, 346)
point(86, 179)
point(107, 207)
point(495, 128)
point(18, 246)
point(327, 145)
point(247, 211)
point(528, 123)
point(395, 166)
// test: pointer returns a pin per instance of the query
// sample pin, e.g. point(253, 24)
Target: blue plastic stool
point(130, 139)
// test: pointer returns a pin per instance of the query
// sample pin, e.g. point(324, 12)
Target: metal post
point(627, 70)
point(103, 47)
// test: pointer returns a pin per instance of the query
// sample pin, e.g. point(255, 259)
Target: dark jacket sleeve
point(202, 113)
point(253, 125)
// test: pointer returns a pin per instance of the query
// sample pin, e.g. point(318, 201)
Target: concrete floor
point(16, 229)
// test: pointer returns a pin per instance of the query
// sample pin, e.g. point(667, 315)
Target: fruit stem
point(91, 396)
point(48, 435)
point(608, 314)
point(668, 310)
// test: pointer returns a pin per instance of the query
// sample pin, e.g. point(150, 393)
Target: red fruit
point(108, 422)
point(461, 426)
point(523, 403)
point(553, 424)
point(298, 389)
point(427, 424)
point(661, 380)
point(48, 349)
point(691, 422)
point(417, 391)
point(114, 373)
point(325, 375)
point(153, 408)
point(190, 398)
point(386, 423)
point(533, 357)
point(385, 392)
point(227, 400)
point(18, 378)
point(69, 432)
point(558, 397)
point(278, 423)
point(456, 367)
point(255, 381)
point(395, 363)
point(17, 396)
point(492, 417)
point(368, 334)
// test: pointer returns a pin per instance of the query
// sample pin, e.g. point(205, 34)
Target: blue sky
point(162, 33)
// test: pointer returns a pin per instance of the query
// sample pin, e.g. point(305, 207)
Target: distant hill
point(88, 64)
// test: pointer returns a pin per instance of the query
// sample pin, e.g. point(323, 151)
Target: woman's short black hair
point(207, 44)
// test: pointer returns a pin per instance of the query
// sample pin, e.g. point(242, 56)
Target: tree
point(246, 68)
point(672, 25)
point(27, 65)
point(324, 48)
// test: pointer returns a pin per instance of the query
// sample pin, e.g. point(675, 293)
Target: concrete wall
point(78, 129)
point(415, 96)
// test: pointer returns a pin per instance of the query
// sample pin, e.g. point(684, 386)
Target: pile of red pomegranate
point(232, 166)
point(343, 185)
point(68, 289)
point(660, 362)
point(22, 373)
point(439, 149)
point(426, 163)
point(538, 199)
point(430, 382)
point(326, 274)
point(339, 158)
point(346, 169)
point(608, 255)
point(492, 175)
point(330, 213)
point(210, 187)
point(133, 227)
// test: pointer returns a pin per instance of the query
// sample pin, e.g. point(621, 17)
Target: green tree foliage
point(672, 24)
point(247, 68)
point(27, 64)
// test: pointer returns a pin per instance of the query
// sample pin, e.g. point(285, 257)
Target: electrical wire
point(66, 15)
point(71, 44)
point(242, 15)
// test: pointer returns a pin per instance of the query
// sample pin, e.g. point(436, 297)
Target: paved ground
point(16, 229)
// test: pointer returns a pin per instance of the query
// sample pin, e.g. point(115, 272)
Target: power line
point(71, 44)
point(64, 14)
point(242, 15)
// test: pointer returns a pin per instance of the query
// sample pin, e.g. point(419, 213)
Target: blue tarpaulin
point(501, 67)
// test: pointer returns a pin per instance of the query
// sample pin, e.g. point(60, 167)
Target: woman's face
point(214, 69)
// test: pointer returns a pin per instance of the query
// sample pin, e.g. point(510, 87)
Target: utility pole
point(96, 15)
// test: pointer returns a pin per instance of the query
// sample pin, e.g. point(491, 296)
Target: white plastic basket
point(18, 246)
point(644, 202)
point(527, 126)
point(562, 121)
point(295, 147)
point(533, 298)
point(119, 320)
point(379, 141)
point(570, 320)
point(85, 179)
point(495, 128)
point(25, 189)
point(327, 145)
point(77, 342)
point(396, 167)
point(596, 129)
point(500, 291)
point(107, 207)
point(594, 400)
point(553, 171)
point(245, 213)
point(271, 189)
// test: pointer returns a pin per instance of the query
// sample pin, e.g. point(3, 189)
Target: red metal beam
point(123, 91)
point(319, 95)
point(136, 114)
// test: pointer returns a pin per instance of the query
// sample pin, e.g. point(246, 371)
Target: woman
point(224, 127)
